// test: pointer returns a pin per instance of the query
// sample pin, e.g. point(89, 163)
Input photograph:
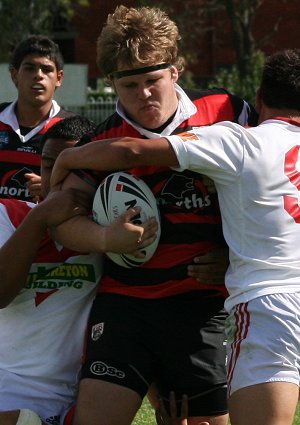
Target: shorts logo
point(53, 420)
point(100, 368)
point(97, 331)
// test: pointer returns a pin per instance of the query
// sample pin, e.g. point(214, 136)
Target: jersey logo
point(187, 136)
point(187, 193)
point(13, 184)
point(19, 176)
point(42, 296)
point(3, 139)
point(178, 185)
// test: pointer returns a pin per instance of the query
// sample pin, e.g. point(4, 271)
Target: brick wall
point(214, 50)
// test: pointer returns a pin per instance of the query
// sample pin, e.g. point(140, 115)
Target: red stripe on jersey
point(165, 289)
point(119, 130)
point(20, 157)
point(50, 124)
point(4, 126)
point(214, 108)
point(191, 218)
point(16, 210)
point(42, 296)
point(166, 255)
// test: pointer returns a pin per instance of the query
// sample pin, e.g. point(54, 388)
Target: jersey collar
point(288, 120)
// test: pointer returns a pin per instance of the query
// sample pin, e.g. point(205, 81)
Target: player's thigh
point(272, 403)
point(101, 402)
point(116, 333)
point(263, 343)
point(192, 350)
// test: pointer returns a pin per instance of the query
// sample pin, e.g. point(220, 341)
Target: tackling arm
point(24, 243)
point(111, 154)
point(82, 234)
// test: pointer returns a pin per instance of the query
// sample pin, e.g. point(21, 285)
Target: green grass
point(145, 416)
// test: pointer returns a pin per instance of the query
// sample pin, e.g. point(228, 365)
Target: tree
point(198, 17)
point(19, 18)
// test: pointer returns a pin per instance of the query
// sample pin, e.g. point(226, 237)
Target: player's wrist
point(38, 215)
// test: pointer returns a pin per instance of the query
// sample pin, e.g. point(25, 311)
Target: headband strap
point(136, 71)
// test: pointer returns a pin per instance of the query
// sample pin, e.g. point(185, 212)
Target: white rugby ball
point(115, 195)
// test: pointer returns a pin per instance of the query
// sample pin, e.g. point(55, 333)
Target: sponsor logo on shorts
point(100, 368)
point(97, 331)
point(53, 420)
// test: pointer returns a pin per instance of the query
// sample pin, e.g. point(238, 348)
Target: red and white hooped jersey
point(42, 329)
point(20, 154)
point(189, 210)
point(256, 173)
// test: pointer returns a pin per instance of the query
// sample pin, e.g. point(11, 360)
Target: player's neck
point(269, 113)
point(31, 116)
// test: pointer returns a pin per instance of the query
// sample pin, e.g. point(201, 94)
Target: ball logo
point(100, 368)
point(116, 194)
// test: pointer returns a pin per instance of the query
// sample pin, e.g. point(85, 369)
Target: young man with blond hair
point(169, 326)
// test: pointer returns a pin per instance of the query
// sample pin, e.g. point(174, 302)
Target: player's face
point(36, 80)
point(149, 99)
point(51, 149)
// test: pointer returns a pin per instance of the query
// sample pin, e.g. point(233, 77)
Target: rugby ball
point(115, 195)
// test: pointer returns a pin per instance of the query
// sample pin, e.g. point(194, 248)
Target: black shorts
point(177, 342)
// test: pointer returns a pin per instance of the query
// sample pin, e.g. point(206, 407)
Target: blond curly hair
point(138, 37)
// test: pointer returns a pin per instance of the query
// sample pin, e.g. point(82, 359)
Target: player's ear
point(14, 76)
point(60, 77)
point(174, 73)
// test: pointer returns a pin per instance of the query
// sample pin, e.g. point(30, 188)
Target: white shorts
point(45, 399)
point(263, 341)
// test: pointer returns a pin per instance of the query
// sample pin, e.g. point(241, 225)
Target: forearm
point(17, 255)
point(107, 155)
point(121, 236)
point(80, 234)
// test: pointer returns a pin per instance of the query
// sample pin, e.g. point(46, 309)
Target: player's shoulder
point(65, 113)
point(111, 123)
point(195, 94)
point(111, 127)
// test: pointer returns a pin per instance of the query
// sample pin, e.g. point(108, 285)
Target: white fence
point(74, 94)
point(96, 109)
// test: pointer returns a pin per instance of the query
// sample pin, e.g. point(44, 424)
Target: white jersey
point(42, 330)
point(257, 177)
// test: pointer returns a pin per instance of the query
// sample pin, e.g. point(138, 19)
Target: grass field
point(145, 415)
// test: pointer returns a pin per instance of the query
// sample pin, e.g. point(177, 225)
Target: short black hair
point(280, 83)
point(70, 128)
point(40, 45)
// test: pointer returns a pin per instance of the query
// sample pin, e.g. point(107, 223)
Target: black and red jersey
point(187, 201)
point(19, 156)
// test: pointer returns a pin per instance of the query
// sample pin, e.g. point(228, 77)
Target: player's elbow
point(133, 153)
